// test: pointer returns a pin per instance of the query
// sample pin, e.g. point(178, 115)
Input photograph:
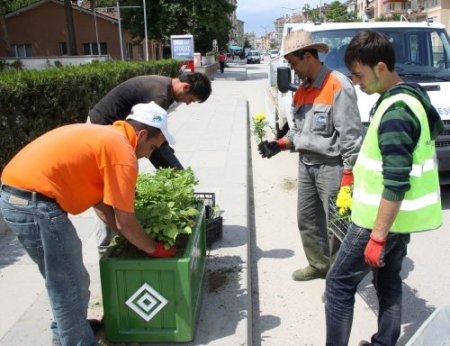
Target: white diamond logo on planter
point(146, 302)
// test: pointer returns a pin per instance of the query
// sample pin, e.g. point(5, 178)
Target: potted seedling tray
point(214, 222)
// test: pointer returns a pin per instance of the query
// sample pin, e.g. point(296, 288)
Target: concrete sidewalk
point(212, 138)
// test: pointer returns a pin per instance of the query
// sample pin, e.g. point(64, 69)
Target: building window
point(21, 50)
point(92, 48)
point(63, 48)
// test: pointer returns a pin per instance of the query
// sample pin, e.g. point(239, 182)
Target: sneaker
point(308, 273)
point(96, 325)
point(364, 343)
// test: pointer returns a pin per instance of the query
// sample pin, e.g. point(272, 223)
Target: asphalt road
point(286, 312)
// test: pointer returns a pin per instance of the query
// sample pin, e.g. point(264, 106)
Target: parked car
point(274, 53)
point(253, 57)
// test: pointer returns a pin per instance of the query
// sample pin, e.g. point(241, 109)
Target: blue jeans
point(347, 272)
point(316, 184)
point(50, 239)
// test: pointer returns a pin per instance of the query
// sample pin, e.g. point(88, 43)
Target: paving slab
point(212, 139)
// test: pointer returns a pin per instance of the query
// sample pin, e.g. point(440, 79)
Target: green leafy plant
point(215, 212)
point(166, 204)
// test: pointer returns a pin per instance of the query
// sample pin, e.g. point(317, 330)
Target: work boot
point(96, 326)
point(308, 273)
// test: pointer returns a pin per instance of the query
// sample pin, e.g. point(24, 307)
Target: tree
point(3, 25)
point(13, 5)
point(337, 12)
point(247, 43)
point(205, 20)
point(311, 14)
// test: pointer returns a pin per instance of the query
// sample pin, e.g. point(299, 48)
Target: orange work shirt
point(79, 166)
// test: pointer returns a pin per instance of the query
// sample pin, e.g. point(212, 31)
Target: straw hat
point(301, 40)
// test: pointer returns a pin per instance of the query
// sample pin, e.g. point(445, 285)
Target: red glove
point(374, 252)
point(347, 178)
point(160, 251)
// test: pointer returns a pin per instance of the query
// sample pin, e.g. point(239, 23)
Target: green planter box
point(147, 300)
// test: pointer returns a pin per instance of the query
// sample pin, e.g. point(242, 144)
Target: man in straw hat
point(69, 170)
point(327, 134)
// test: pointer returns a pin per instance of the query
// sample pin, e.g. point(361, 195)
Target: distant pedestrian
point(327, 134)
point(164, 91)
point(396, 191)
point(222, 57)
point(69, 170)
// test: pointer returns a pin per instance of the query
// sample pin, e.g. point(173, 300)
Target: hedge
point(33, 102)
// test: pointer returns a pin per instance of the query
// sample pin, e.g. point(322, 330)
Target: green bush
point(33, 102)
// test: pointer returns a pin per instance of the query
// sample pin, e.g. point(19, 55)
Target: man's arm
point(387, 212)
point(374, 251)
point(347, 121)
point(128, 225)
point(164, 157)
point(106, 214)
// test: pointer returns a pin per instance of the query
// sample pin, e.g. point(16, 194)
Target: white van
point(422, 56)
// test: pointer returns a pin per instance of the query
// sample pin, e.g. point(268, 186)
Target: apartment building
point(39, 30)
point(407, 10)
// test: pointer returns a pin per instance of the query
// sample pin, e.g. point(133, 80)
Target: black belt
point(32, 196)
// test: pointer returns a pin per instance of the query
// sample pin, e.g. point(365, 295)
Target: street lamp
point(292, 9)
point(119, 19)
point(264, 40)
point(120, 26)
point(145, 33)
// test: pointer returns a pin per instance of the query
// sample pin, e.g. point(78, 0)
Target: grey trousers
point(316, 184)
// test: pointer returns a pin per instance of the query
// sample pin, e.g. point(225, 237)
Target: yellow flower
point(260, 116)
point(259, 126)
point(344, 201)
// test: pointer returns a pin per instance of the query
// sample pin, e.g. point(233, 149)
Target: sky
point(259, 15)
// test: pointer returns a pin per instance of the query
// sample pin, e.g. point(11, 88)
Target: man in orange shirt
point(69, 170)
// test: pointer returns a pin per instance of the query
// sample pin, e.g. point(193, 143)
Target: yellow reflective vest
point(421, 207)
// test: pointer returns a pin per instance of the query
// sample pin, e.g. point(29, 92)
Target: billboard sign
point(182, 47)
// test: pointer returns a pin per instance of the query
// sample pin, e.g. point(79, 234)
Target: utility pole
point(145, 31)
point(293, 11)
point(96, 32)
point(119, 19)
point(120, 30)
point(72, 46)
